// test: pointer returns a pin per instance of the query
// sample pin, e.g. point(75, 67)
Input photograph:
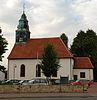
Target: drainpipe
point(89, 75)
point(8, 70)
point(70, 70)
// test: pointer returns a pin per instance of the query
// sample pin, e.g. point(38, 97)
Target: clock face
point(25, 36)
point(22, 36)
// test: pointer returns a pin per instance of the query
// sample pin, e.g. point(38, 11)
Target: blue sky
point(47, 18)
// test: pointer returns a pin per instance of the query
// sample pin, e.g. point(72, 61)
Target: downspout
point(8, 70)
point(70, 70)
point(89, 75)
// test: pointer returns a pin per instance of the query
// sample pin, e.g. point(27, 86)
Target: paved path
point(12, 95)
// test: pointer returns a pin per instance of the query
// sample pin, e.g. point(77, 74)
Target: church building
point(26, 54)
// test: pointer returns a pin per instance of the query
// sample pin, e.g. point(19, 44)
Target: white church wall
point(30, 69)
point(66, 69)
point(88, 73)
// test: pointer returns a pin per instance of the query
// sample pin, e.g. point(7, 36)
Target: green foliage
point(49, 63)
point(3, 45)
point(64, 39)
point(85, 44)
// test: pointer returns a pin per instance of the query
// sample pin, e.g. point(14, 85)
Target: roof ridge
point(81, 57)
point(44, 38)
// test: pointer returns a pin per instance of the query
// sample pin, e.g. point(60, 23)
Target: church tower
point(22, 32)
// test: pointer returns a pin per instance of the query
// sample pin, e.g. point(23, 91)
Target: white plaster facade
point(66, 69)
point(88, 73)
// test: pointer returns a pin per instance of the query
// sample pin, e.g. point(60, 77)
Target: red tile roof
point(34, 48)
point(82, 63)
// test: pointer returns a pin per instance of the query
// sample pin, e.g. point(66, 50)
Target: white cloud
point(10, 3)
point(48, 18)
point(87, 11)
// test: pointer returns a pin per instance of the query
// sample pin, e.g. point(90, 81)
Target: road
point(58, 98)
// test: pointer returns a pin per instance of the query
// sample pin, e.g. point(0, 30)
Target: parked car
point(23, 82)
point(12, 82)
point(82, 82)
point(3, 82)
point(57, 82)
point(37, 81)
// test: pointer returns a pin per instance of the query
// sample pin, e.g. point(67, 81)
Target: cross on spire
point(24, 7)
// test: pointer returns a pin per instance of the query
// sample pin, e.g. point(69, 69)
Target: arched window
point(22, 70)
point(38, 71)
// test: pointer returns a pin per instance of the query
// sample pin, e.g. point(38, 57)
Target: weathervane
point(24, 6)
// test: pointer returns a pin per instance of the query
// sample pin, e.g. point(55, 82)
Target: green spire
point(22, 32)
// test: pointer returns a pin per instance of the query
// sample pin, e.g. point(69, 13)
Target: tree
point(77, 48)
point(85, 44)
point(3, 45)
point(50, 62)
point(64, 39)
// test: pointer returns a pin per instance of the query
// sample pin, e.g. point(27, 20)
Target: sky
point(47, 18)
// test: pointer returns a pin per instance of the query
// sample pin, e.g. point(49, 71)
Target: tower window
point(22, 70)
